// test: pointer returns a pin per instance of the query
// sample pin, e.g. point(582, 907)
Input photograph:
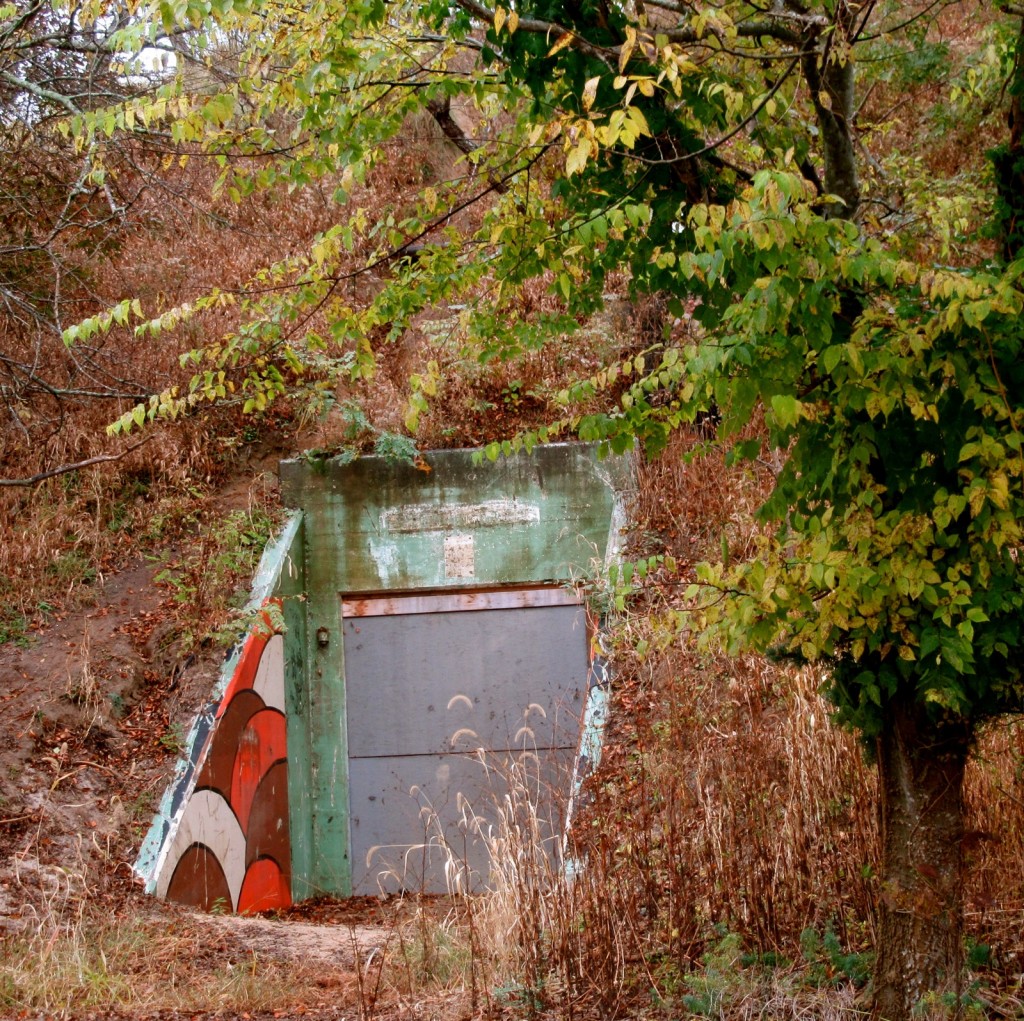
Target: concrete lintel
point(454, 519)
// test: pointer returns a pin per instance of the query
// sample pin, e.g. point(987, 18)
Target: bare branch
point(770, 29)
point(34, 480)
point(885, 30)
point(774, 27)
point(545, 28)
point(15, 24)
point(441, 111)
point(39, 92)
point(733, 132)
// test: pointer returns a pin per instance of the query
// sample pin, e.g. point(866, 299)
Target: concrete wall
point(258, 813)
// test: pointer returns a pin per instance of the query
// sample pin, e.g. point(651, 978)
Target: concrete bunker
point(419, 649)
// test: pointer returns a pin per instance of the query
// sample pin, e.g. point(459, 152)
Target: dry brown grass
point(55, 537)
point(174, 244)
point(994, 843)
point(690, 505)
point(723, 825)
point(81, 960)
point(727, 801)
point(745, 808)
point(730, 836)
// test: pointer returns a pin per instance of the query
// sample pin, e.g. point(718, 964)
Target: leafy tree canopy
point(711, 150)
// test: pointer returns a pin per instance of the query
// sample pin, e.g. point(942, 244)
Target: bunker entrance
point(431, 676)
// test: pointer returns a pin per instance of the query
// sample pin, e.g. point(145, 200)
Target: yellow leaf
point(577, 158)
point(999, 490)
point(627, 48)
point(499, 18)
point(561, 43)
point(513, 21)
point(639, 121)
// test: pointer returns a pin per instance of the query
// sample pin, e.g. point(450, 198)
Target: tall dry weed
point(728, 803)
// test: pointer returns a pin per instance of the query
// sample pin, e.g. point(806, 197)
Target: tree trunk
point(1009, 163)
point(827, 66)
point(920, 911)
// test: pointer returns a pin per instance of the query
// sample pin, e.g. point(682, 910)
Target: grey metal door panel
point(428, 683)
point(417, 821)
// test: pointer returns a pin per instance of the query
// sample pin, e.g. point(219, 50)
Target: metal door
point(461, 708)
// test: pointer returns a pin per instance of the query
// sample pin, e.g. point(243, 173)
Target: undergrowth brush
point(210, 576)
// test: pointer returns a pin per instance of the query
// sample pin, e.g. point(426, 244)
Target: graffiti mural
point(229, 846)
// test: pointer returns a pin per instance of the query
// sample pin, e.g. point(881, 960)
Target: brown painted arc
point(267, 835)
point(218, 770)
point(199, 881)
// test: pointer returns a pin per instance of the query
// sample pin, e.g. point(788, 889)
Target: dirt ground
point(89, 711)
point(93, 711)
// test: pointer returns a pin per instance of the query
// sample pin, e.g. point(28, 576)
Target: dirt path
point(85, 709)
point(302, 942)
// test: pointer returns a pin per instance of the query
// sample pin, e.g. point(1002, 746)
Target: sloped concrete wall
point(221, 839)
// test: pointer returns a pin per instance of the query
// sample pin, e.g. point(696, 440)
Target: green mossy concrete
point(373, 526)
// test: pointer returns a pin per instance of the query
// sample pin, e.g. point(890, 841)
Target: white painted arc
point(208, 820)
point(269, 680)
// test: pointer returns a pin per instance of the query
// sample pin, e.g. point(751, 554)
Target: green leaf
point(831, 357)
point(786, 410)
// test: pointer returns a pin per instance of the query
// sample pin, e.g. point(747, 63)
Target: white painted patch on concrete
point(385, 555)
point(459, 556)
point(435, 517)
